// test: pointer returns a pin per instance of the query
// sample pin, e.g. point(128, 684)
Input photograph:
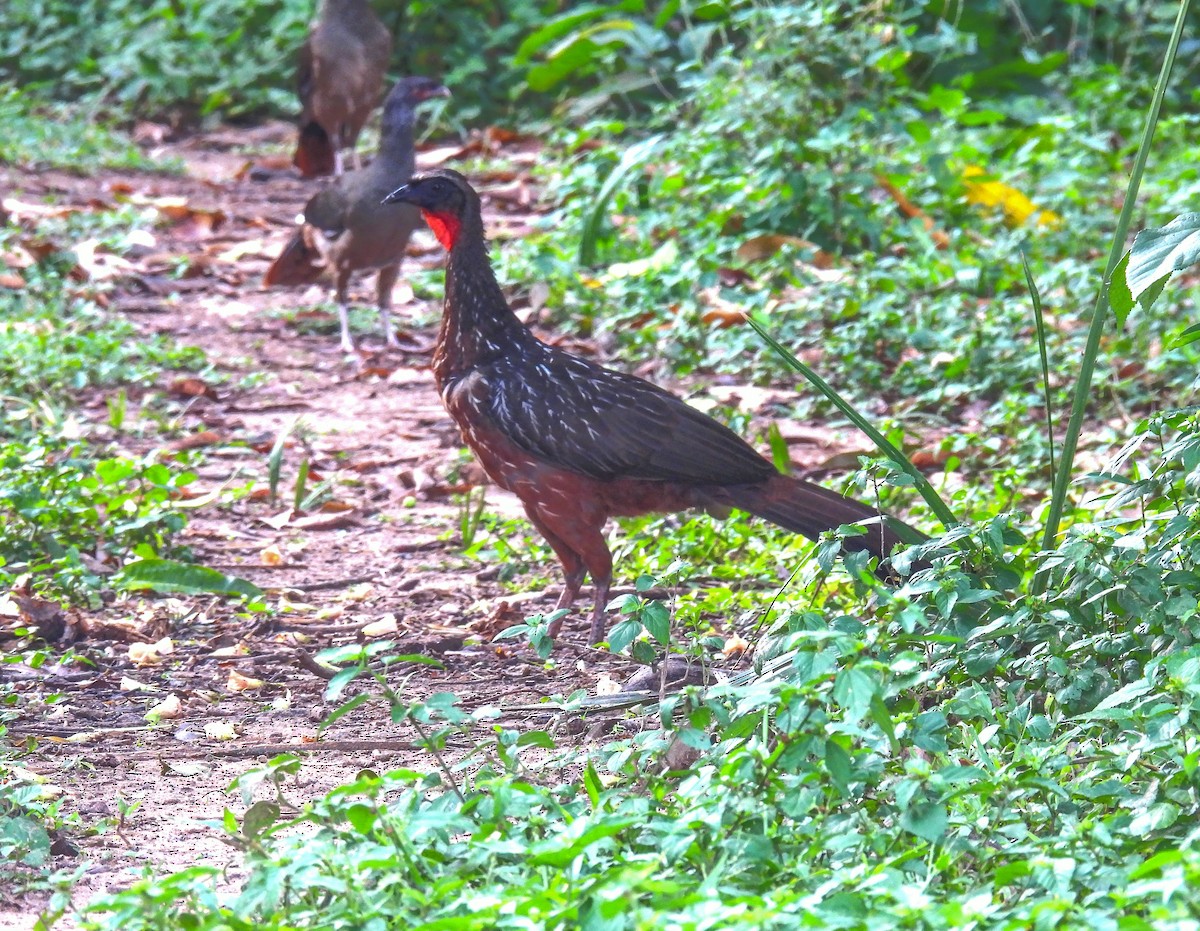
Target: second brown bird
point(346, 228)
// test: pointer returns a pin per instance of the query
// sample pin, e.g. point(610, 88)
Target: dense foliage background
point(1006, 740)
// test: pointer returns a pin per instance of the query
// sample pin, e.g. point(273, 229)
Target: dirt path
point(380, 551)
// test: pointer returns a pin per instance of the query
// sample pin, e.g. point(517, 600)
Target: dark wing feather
point(327, 210)
point(609, 425)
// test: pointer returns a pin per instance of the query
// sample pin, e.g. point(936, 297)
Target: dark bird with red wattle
point(578, 443)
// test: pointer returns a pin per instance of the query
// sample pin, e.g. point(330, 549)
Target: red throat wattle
point(445, 226)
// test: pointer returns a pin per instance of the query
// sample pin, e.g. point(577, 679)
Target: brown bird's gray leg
point(572, 568)
point(602, 586)
point(576, 534)
point(339, 163)
point(343, 285)
point(384, 284)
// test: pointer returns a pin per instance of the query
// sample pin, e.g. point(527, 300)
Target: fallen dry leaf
point(762, 247)
point(735, 646)
point(912, 211)
point(192, 387)
point(238, 649)
point(220, 730)
point(732, 277)
point(98, 263)
point(169, 707)
point(382, 627)
point(280, 520)
point(195, 441)
point(719, 312)
point(607, 685)
point(186, 221)
point(930, 458)
point(235, 253)
point(271, 556)
point(240, 683)
point(18, 258)
point(12, 281)
point(148, 133)
point(360, 592)
point(19, 210)
point(40, 249)
point(150, 654)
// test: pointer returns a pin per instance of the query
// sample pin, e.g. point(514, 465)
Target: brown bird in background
point(346, 228)
point(578, 443)
point(340, 79)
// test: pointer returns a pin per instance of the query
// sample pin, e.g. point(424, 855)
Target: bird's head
point(445, 200)
point(403, 100)
point(413, 90)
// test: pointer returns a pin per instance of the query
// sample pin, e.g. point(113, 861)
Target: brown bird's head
point(445, 200)
point(406, 95)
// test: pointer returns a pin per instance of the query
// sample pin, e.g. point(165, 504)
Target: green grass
point(42, 135)
point(960, 750)
point(73, 506)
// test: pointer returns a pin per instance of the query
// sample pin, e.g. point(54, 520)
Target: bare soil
point(383, 548)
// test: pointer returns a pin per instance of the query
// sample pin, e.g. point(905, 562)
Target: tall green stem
point(1062, 478)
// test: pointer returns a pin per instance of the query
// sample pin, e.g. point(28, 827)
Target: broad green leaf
point(167, 575)
point(593, 785)
point(839, 764)
point(561, 25)
point(657, 620)
point(558, 26)
point(1119, 296)
point(363, 817)
point(259, 817)
point(1154, 819)
point(1158, 253)
point(928, 820)
point(561, 849)
point(1122, 696)
point(780, 454)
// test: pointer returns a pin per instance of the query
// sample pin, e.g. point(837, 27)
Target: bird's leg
point(572, 568)
point(339, 163)
point(602, 585)
point(384, 284)
point(576, 534)
point(343, 287)
point(572, 582)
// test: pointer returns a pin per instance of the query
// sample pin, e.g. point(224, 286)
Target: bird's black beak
point(402, 195)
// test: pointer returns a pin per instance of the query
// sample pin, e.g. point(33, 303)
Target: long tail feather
point(300, 262)
point(809, 509)
point(315, 154)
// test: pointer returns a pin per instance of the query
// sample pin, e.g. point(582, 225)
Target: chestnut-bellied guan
point(340, 80)
point(346, 228)
point(579, 443)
